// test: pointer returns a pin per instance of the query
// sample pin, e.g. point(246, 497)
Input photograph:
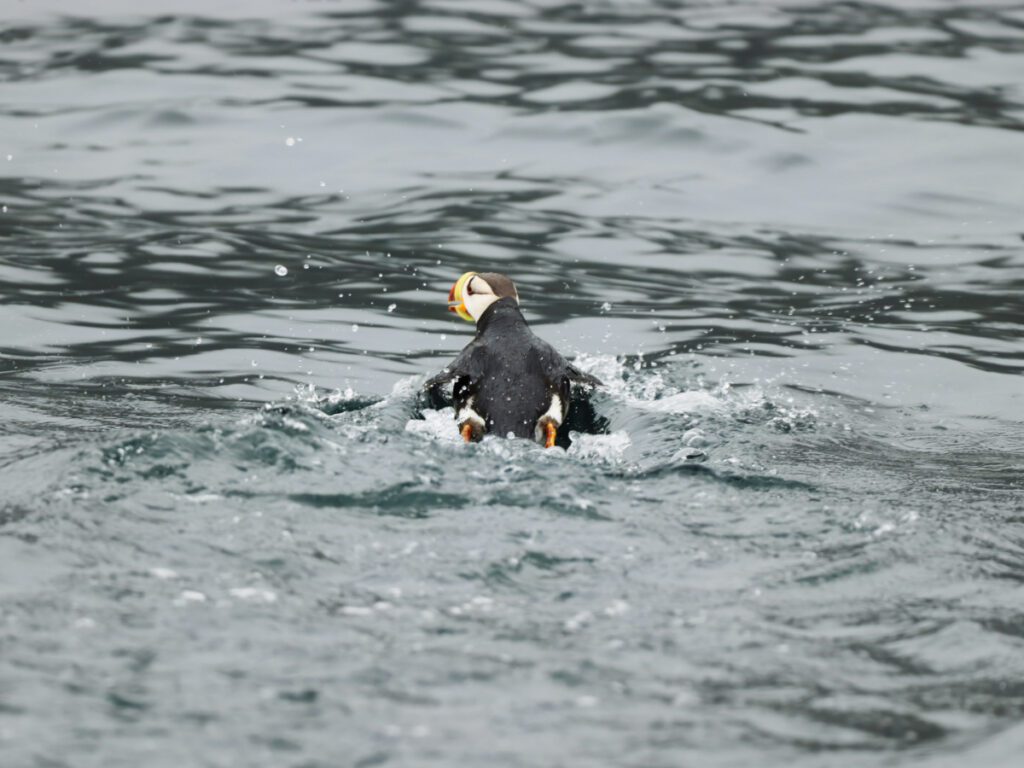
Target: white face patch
point(477, 296)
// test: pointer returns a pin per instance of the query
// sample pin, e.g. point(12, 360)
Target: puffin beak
point(456, 302)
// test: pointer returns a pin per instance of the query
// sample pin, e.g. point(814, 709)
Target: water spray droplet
point(280, 270)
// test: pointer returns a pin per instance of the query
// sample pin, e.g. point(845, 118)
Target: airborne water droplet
point(280, 270)
point(392, 307)
point(355, 327)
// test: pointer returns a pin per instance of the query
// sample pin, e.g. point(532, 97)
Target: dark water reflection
point(789, 237)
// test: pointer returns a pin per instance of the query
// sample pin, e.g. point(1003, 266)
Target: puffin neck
point(503, 313)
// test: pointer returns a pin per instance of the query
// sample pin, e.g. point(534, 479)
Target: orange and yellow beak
point(456, 302)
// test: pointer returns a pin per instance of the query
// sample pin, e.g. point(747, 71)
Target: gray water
point(788, 237)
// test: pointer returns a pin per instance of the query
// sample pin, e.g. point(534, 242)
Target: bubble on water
point(355, 327)
point(695, 438)
point(254, 364)
point(606, 307)
point(578, 621)
point(356, 610)
point(9, 158)
point(253, 594)
point(290, 141)
point(190, 596)
point(392, 307)
point(444, 336)
point(280, 270)
point(617, 608)
point(5, 209)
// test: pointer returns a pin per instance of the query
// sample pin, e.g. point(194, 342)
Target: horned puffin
point(508, 382)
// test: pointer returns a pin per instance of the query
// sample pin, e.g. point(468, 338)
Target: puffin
point(507, 381)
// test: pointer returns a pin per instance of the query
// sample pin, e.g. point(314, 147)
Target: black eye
point(469, 286)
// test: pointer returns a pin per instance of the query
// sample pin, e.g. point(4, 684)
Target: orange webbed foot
point(550, 433)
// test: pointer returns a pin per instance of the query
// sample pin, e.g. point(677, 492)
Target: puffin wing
point(465, 370)
point(576, 376)
point(559, 376)
point(558, 370)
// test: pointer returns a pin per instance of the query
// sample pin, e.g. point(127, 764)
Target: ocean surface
point(788, 237)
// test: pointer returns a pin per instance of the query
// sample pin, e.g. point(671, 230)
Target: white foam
point(600, 447)
point(681, 402)
point(337, 396)
point(403, 389)
point(607, 368)
point(436, 425)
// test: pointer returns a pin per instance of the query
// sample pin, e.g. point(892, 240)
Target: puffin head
point(474, 292)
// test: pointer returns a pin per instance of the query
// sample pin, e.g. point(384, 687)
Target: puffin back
point(515, 388)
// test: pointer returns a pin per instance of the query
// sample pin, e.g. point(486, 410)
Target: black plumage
point(508, 376)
